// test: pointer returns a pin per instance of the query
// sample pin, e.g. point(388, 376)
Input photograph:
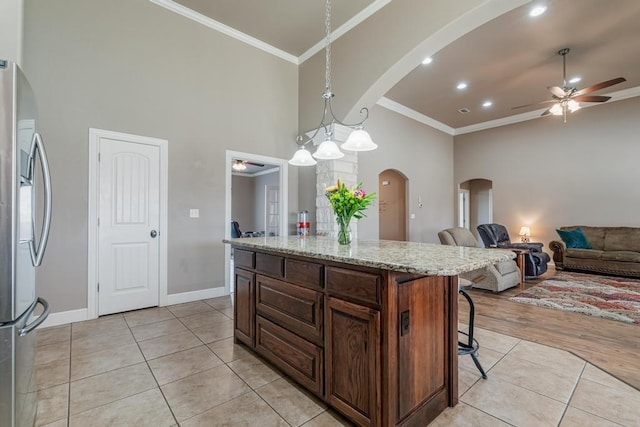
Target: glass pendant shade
point(302, 158)
point(556, 110)
point(328, 150)
point(359, 140)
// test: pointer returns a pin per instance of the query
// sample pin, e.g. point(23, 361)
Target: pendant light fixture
point(358, 140)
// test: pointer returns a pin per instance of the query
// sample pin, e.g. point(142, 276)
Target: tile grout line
point(573, 392)
point(154, 377)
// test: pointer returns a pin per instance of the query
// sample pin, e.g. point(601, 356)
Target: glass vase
point(344, 233)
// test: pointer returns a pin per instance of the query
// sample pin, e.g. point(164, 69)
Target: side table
point(520, 262)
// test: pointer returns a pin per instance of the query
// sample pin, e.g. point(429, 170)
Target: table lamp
point(525, 232)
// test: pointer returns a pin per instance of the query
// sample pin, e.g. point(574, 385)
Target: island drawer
point(245, 259)
point(354, 285)
point(271, 265)
point(296, 308)
point(298, 358)
point(304, 273)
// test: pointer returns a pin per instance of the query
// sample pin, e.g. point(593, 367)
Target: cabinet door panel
point(299, 358)
point(352, 360)
point(293, 307)
point(244, 308)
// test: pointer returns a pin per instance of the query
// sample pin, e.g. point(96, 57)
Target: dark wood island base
point(379, 346)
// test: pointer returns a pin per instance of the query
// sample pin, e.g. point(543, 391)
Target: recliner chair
point(497, 277)
point(497, 236)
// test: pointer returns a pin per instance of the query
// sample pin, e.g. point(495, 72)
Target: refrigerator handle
point(37, 254)
point(31, 326)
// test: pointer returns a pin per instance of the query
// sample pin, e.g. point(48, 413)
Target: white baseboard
point(196, 295)
point(65, 317)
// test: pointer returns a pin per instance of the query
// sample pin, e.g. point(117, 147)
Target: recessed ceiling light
point(427, 60)
point(486, 104)
point(537, 10)
point(462, 85)
point(575, 80)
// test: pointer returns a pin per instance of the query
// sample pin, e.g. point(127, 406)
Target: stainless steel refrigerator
point(24, 230)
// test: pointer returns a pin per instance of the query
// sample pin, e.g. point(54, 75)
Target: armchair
point(497, 236)
point(496, 278)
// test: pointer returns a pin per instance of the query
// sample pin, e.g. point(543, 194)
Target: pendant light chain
point(327, 30)
point(358, 140)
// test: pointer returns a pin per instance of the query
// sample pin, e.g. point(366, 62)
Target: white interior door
point(128, 226)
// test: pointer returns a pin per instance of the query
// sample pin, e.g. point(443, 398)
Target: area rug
point(615, 298)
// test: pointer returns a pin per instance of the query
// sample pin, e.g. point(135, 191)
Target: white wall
point(424, 155)
point(134, 67)
point(547, 174)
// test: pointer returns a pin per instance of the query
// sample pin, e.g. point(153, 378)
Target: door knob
point(153, 234)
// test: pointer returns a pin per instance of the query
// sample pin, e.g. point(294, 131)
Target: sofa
point(613, 250)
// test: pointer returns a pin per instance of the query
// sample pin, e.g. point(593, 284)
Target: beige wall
point(134, 67)
point(424, 155)
point(242, 201)
point(547, 174)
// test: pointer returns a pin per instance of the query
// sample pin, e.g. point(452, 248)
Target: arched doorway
point(392, 205)
point(475, 204)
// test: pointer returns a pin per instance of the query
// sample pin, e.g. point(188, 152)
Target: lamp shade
point(328, 150)
point(525, 231)
point(359, 140)
point(302, 158)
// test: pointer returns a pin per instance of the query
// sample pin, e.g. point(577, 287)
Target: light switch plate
point(194, 213)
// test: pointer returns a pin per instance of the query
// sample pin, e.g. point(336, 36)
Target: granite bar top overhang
point(408, 257)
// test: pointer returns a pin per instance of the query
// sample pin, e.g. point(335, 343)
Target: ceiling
point(510, 60)
point(253, 168)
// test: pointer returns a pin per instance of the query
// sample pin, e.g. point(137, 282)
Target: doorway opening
point(256, 200)
point(475, 204)
point(392, 205)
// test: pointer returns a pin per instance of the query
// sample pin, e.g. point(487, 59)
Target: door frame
point(284, 201)
point(95, 135)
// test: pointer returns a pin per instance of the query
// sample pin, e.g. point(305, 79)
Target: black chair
point(471, 346)
point(497, 236)
point(235, 229)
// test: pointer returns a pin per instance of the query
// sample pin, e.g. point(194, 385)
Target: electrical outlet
point(412, 216)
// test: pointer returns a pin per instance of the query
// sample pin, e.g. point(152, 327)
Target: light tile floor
point(178, 365)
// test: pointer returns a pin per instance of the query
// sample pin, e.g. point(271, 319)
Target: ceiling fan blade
point(546, 112)
point(535, 103)
point(591, 98)
point(557, 91)
point(600, 85)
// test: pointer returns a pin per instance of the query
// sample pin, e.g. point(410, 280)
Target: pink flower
point(360, 193)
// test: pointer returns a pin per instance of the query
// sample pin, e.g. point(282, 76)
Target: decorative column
point(327, 173)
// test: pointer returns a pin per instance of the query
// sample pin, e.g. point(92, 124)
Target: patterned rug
point(615, 298)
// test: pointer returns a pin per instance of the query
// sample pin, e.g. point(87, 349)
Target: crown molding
point(419, 117)
point(413, 114)
point(344, 28)
point(225, 29)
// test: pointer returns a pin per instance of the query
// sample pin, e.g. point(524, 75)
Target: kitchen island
point(370, 328)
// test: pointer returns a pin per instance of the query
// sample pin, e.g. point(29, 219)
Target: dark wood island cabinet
point(374, 338)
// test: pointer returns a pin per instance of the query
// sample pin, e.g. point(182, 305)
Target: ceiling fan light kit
point(328, 149)
point(568, 98)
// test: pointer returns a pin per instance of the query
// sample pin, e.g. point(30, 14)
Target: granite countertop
point(408, 257)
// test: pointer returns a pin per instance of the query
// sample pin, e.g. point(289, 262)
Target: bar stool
point(471, 347)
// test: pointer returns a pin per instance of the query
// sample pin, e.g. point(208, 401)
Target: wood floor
point(611, 345)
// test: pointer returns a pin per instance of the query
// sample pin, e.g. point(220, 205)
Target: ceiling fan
point(240, 165)
point(568, 97)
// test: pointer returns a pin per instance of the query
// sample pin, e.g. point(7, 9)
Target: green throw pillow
point(574, 238)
